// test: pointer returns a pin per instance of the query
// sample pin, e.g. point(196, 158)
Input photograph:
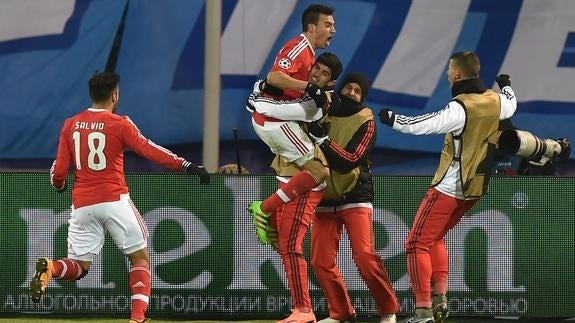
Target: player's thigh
point(126, 226)
point(286, 139)
point(85, 233)
point(359, 227)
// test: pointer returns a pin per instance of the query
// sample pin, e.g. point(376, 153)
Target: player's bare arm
point(284, 81)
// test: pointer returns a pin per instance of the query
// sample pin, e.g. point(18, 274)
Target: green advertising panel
point(512, 255)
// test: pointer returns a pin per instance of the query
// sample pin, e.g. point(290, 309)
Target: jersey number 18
point(96, 159)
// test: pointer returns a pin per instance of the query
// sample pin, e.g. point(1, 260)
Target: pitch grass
point(125, 320)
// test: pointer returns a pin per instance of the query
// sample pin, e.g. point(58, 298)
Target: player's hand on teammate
point(386, 116)
point(317, 94)
point(265, 87)
point(200, 171)
point(318, 131)
point(250, 104)
point(503, 80)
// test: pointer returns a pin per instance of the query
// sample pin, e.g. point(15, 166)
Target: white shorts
point(287, 139)
point(89, 224)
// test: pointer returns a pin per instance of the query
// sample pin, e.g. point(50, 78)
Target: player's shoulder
point(78, 116)
point(366, 111)
point(127, 122)
point(296, 45)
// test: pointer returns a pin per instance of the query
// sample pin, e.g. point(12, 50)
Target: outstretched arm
point(449, 119)
point(162, 156)
point(507, 96)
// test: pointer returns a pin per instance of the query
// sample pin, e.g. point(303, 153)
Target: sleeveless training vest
point(341, 131)
point(477, 143)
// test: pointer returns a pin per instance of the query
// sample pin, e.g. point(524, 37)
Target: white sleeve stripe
point(52, 173)
point(294, 54)
point(298, 49)
point(264, 99)
point(167, 151)
point(405, 120)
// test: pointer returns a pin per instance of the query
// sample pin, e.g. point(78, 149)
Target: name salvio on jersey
point(94, 157)
point(89, 125)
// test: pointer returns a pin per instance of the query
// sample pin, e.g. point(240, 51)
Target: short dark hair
point(467, 63)
point(102, 85)
point(312, 12)
point(332, 61)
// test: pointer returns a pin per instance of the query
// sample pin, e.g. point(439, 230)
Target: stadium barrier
point(512, 255)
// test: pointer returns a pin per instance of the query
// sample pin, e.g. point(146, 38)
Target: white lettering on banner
point(396, 230)
point(440, 20)
point(197, 237)
point(246, 43)
point(249, 256)
point(548, 21)
point(500, 264)
point(17, 20)
point(248, 261)
point(488, 306)
point(42, 225)
point(232, 304)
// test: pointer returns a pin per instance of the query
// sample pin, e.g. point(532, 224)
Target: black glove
point(318, 131)
point(386, 116)
point(249, 105)
point(317, 94)
point(565, 150)
point(266, 88)
point(503, 80)
point(63, 189)
point(191, 168)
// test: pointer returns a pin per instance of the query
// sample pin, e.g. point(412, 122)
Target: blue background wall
point(48, 54)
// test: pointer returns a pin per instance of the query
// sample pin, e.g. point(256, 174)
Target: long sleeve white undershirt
point(450, 119)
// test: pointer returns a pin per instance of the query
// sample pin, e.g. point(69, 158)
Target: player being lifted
point(285, 228)
point(293, 202)
point(288, 80)
point(93, 142)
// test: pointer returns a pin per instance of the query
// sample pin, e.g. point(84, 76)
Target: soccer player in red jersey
point(93, 143)
point(293, 203)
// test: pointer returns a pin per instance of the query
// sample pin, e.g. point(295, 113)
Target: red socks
point(300, 183)
point(66, 269)
point(140, 289)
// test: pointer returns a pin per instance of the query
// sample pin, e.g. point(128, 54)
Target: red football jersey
point(94, 141)
point(295, 59)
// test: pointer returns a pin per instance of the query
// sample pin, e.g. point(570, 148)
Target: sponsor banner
point(510, 256)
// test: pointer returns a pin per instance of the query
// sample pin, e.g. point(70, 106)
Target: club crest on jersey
point(284, 63)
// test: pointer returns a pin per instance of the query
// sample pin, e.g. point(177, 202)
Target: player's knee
point(320, 266)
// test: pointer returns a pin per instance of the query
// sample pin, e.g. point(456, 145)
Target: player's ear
point(311, 27)
point(115, 95)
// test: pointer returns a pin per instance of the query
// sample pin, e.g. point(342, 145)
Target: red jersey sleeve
point(295, 59)
point(61, 165)
point(146, 148)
